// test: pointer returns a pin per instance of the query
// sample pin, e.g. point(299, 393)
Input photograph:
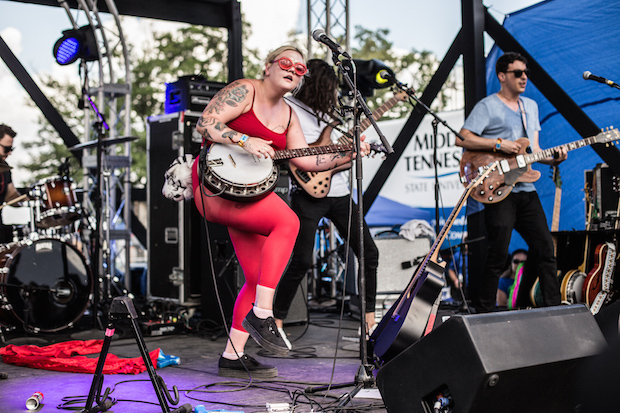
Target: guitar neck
point(557, 201)
point(434, 251)
point(605, 136)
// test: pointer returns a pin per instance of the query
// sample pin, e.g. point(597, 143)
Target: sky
point(31, 31)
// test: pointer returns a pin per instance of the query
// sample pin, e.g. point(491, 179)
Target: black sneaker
point(265, 333)
point(235, 369)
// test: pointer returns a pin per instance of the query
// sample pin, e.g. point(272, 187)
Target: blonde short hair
point(271, 56)
point(274, 53)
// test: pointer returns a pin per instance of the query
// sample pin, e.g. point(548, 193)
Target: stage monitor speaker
point(509, 362)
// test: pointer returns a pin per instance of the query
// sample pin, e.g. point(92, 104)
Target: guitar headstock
point(609, 135)
point(402, 95)
point(555, 176)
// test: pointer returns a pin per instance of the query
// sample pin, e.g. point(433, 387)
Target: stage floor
point(550, 345)
point(323, 353)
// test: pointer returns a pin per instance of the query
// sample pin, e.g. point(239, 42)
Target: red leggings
point(263, 234)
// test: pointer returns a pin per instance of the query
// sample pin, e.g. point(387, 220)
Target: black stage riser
point(517, 361)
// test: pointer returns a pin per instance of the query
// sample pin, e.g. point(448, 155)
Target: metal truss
point(331, 16)
point(107, 184)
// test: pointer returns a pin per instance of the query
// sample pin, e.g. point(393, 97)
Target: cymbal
point(104, 142)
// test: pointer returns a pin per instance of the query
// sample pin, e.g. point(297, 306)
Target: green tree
point(416, 67)
point(191, 50)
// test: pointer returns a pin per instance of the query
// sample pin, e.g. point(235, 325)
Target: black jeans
point(310, 211)
point(523, 212)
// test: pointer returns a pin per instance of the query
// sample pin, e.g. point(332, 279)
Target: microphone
point(383, 76)
point(589, 76)
point(320, 36)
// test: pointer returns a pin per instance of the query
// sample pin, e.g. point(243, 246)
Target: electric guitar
point(234, 174)
point(412, 316)
point(597, 286)
point(571, 288)
point(317, 184)
point(516, 168)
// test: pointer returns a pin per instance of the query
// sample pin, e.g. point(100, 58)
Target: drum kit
point(46, 282)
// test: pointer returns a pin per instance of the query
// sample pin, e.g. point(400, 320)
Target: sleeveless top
point(249, 124)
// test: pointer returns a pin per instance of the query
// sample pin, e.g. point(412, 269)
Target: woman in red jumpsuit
point(252, 113)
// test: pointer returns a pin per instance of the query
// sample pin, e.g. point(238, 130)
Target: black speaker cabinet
point(515, 361)
point(174, 228)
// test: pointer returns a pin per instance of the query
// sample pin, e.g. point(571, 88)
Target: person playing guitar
point(498, 124)
point(314, 105)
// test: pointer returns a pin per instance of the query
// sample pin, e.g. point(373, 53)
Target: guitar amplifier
point(190, 93)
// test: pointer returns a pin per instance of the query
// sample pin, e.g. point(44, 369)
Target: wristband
point(498, 145)
point(244, 138)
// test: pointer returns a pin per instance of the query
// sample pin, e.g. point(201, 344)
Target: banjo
point(234, 174)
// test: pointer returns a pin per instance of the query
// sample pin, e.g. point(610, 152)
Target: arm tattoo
point(334, 157)
point(205, 121)
point(231, 95)
point(230, 135)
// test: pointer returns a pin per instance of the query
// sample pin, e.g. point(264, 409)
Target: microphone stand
point(436, 121)
point(364, 377)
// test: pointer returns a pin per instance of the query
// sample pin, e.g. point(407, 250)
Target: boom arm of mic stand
point(411, 93)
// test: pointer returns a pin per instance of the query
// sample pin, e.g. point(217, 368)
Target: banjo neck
point(283, 154)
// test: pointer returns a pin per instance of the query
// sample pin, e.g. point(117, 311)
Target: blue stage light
point(76, 44)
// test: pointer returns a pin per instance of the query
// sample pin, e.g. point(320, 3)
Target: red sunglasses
point(285, 64)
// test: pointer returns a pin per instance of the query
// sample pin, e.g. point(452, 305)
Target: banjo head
point(234, 174)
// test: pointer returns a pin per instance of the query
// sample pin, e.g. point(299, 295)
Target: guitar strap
point(524, 122)
point(523, 117)
point(334, 121)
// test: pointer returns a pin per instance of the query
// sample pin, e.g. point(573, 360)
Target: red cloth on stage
point(68, 356)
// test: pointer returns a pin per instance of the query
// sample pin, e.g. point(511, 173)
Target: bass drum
point(45, 285)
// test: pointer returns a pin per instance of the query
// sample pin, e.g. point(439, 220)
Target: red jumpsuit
point(263, 233)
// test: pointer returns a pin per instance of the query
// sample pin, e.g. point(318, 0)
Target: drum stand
point(100, 254)
point(122, 308)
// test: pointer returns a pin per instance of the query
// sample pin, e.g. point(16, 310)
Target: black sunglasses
point(516, 261)
point(8, 148)
point(519, 72)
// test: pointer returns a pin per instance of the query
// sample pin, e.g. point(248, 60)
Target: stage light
point(371, 74)
point(76, 44)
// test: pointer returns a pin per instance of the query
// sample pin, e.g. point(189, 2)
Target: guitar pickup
point(303, 176)
point(504, 166)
